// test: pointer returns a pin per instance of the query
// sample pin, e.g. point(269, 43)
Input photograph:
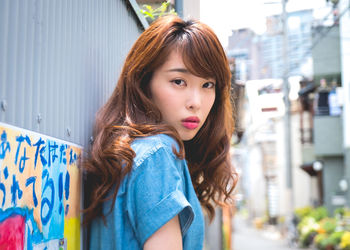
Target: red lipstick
point(191, 122)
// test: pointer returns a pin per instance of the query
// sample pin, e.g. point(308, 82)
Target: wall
point(345, 74)
point(59, 62)
point(332, 173)
point(302, 189)
point(191, 9)
point(326, 54)
point(328, 133)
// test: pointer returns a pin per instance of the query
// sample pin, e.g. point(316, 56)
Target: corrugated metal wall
point(60, 60)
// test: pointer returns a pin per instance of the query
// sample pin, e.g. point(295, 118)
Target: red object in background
point(269, 109)
point(12, 232)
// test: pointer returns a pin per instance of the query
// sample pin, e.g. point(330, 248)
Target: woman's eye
point(208, 85)
point(178, 82)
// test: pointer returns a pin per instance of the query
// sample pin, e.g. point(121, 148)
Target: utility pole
point(287, 116)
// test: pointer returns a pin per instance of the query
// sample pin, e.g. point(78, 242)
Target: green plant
point(335, 237)
point(319, 240)
point(319, 213)
point(324, 232)
point(326, 241)
point(307, 229)
point(339, 212)
point(151, 14)
point(302, 212)
point(306, 240)
point(328, 225)
point(307, 224)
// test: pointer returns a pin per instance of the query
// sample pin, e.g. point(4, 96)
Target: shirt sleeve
point(155, 195)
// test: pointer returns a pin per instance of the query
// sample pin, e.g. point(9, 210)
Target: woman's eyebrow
point(182, 70)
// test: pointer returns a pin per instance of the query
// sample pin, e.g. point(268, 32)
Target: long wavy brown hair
point(130, 113)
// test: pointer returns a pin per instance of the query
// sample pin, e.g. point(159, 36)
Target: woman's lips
point(190, 122)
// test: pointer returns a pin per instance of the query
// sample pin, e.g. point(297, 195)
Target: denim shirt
point(158, 188)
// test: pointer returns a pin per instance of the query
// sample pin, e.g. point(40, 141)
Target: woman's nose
point(193, 99)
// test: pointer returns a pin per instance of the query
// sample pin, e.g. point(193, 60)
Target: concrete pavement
point(245, 237)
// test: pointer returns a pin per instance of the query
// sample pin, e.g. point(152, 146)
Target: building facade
point(260, 56)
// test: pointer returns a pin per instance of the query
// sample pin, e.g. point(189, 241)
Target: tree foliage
point(152, 14)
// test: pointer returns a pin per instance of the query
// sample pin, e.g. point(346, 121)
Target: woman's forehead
point(178, 60)
point(174, 59)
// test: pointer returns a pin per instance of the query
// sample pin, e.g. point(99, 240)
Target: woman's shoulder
point(153, 141)
point(145, 147)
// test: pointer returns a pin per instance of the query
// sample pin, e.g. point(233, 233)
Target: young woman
point(161, 142)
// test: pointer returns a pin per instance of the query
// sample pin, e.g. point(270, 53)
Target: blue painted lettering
point(14, 190)
point(31, 180)
point(41, 151)
point(4, 146)
point(49, 184)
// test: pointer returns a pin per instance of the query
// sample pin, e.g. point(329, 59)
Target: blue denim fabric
point(158, 188)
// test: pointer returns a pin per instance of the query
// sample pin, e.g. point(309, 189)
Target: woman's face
point(183, 99)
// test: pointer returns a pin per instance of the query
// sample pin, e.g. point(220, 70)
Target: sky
point(225, 15)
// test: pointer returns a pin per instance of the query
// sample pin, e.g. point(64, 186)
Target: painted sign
point(39, 191)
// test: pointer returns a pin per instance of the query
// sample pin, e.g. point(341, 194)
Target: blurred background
point(290, 61)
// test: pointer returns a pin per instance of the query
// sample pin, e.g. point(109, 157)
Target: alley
point(245, 237)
